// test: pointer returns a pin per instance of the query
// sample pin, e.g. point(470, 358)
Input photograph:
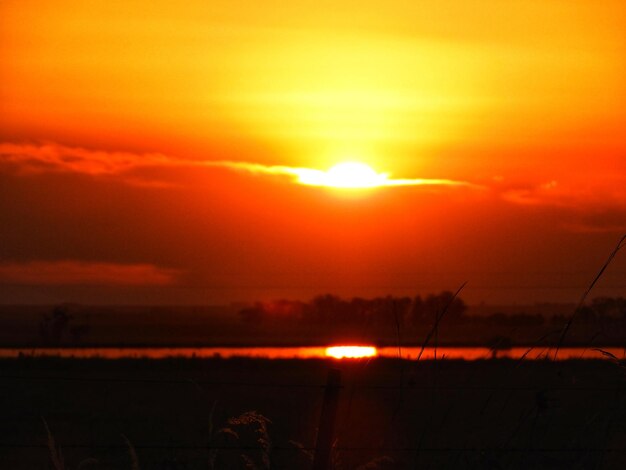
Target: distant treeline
point(410, 312)
point(324, 319)
point(332, 310)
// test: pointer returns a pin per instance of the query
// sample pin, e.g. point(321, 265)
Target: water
point(312, 352)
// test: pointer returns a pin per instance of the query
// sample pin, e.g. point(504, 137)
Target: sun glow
point(351, 352)
point(350, 175)
point(346, 175)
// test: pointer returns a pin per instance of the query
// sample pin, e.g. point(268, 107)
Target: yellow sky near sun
point(315, 82)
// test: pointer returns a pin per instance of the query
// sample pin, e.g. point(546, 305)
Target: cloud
point(543, 194)
point(72, 272)
point(52, 157)
point(347, 175)
point(601, 220)
point(592, 191)
point(583, 227)
point(590, 205)
point(47, 157)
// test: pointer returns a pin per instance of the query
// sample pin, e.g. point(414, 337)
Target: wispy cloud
point(592, 191)
point(51, 157)
point(47, 157)
point(341, 176)
point(72, 272)
point(538, 195)
point(598, 220)
point(590, 205)
point(588, 227)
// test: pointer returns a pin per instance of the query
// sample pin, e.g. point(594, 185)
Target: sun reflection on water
point(351, 352)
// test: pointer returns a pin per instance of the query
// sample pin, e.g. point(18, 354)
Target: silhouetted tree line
point(414, 312)
point(605, 315)
point(514, 320)
point(332, 310)
point(605, 308)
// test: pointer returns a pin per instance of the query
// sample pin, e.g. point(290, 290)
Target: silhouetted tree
point(331, 310)
point(609, 307)
point(326, 308)
point(254, 314)
point(586, 314)
point(418, 311)
point(52, 327)
point(499, 343)
point(78, 332)
point(436, 304)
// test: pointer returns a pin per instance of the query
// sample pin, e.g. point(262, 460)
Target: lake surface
point(314, 352)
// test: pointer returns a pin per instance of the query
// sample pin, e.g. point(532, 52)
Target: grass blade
point(618, 247)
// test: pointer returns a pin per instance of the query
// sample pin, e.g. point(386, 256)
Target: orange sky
point(157, 140)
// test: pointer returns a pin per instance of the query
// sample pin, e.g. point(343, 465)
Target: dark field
point(392, 414)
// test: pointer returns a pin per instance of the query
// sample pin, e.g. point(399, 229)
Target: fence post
point(326, 428)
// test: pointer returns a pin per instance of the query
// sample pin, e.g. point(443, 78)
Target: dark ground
point(493, 414)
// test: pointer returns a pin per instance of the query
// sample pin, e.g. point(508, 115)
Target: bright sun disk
point(344, 175)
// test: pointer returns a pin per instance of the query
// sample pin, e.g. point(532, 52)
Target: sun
point(354, 175)
point(349, 175)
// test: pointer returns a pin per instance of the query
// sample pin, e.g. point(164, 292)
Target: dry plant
point(258, 424)
point(377, 463)
point(56, 456)
point(131, 452)
point(581, 302)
